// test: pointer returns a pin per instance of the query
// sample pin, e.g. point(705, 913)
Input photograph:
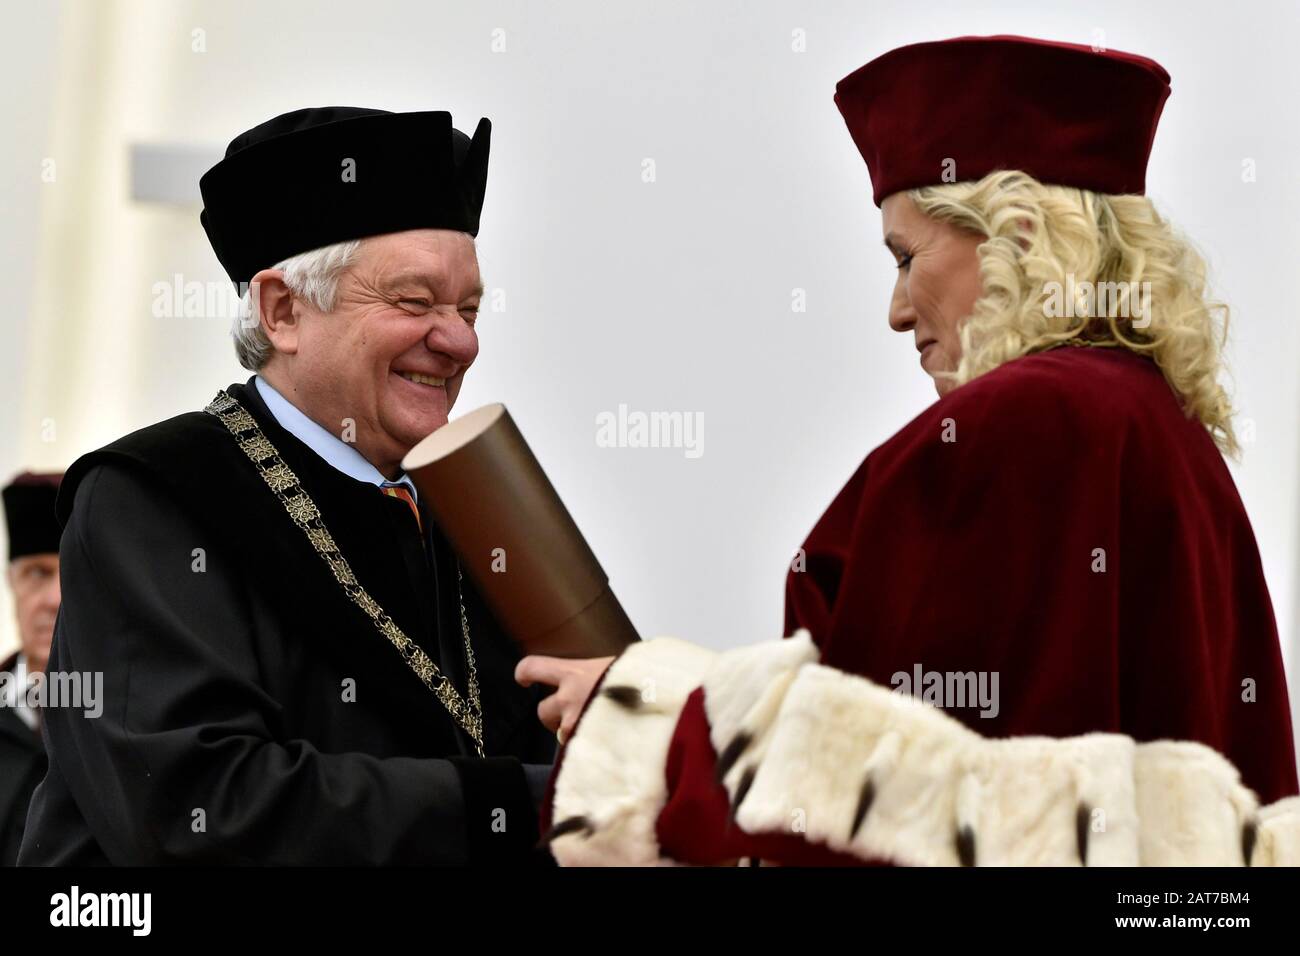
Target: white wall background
point(672, 295)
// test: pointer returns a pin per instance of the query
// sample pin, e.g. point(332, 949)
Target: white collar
point(13, 695)
point(336, 452)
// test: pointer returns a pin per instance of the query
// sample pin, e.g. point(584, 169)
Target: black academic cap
point(29, 514)
point(315, 177)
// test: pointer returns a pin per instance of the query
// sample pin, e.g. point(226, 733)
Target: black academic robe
point(22, 765)
point(252, 713)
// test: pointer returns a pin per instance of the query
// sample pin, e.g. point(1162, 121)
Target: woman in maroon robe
point(1051, 562)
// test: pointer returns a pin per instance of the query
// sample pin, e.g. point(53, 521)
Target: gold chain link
point(304, 513)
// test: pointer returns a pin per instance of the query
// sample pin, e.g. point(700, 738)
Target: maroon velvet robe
point(985, 552)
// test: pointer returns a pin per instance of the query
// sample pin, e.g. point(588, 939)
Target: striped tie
point(401, 491)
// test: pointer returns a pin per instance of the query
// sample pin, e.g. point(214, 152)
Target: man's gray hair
point(313, 276)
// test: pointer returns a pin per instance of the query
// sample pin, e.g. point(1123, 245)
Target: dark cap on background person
point(29, 514)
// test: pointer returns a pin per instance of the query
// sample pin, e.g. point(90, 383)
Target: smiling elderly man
point(295, 670)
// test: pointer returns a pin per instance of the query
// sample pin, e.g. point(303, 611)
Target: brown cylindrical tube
point(516, 539)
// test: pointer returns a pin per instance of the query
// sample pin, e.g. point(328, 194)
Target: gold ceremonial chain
point(281, 480)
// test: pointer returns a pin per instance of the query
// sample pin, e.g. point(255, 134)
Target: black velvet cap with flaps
point(315, 177)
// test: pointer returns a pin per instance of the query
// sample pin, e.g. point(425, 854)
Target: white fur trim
point(613, 769)
point(744, 690)
point(741, 679)
point(1022, 801)
point(814, 736)
point(1192, 804)
point(1277, 840)
point(1043, 790)
point(1019, 798)
point(810, 774)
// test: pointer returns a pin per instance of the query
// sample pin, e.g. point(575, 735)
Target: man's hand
point(573, 681)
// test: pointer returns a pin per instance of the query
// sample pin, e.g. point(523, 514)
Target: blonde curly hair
point(1042, 239)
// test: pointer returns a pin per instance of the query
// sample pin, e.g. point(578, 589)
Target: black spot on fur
point(966, 846)
point(731, 753)
point(1082, 818)
point(865, 799)
point(565, 827)
point(1248, 833)
point(624, 696)
point(742, 790)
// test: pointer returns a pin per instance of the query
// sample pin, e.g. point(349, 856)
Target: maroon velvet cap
point(1061, 112)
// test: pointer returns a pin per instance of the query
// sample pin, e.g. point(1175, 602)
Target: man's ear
point(272, 305)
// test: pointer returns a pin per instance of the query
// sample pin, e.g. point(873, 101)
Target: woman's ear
point(271, 302)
